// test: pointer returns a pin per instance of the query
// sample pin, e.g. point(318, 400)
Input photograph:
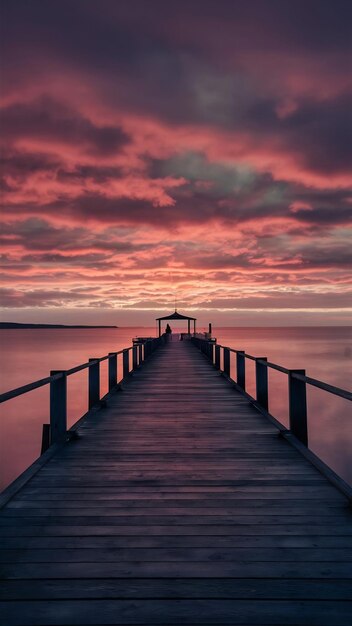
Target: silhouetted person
point(168, 330)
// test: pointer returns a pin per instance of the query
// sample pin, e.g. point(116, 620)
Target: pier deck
point(178, 504)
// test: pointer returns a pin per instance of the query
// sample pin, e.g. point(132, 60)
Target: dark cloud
point(321, 133)
point(320, 216)
point(101, 32)
point(272, 299)
point(48, 120)
point(98, 174)
point(40, 297)
point(90, 260)
point(20, 165)
point(38, 234)
point(294, 259)
point(141, 59)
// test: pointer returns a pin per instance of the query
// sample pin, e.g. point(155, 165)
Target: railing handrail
point(297, 431)
point(41, 382)
point(19, 391)
point(337, 391)
point(55, 432)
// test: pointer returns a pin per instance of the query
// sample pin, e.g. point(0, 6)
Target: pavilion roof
point(176, 316)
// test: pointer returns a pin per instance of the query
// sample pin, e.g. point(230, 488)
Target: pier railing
point(56, 431)
point(297, 381)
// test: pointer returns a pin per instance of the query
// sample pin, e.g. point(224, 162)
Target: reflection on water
point(29, 354)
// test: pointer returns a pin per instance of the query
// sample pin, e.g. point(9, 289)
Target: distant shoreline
point(14, 325)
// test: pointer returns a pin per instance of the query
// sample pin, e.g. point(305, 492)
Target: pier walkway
point(178, 504)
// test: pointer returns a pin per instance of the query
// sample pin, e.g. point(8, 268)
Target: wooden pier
point(178, 503)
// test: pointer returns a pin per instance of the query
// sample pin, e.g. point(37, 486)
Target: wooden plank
point(190, 612)
point(106, 529)
point(262, 511)
point(171, 520)
point(175, 505)
point(190, 499)
point(171, 555)
point(184, 569)
point(176, 541)
point(118, 588)
point(188, 490)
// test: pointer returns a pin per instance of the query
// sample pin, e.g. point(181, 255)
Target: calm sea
point(324, 352)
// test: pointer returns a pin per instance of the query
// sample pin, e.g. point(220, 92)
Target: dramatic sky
point(194, 148)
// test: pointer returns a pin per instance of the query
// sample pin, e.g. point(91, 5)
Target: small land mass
point(16, 325)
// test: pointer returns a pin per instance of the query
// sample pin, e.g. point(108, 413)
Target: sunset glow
point(191, 150)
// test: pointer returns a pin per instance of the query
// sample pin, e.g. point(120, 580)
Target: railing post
point(140, 350)
point(297, 398)
point(112, 370)
point(134, 358)
point(241, 369)
point(227, 362)
point(58, 407)
point(261, 382)
point(125, 363)
point(217, 356)
point(45, 438)
point(93, 383)
point(211, 351)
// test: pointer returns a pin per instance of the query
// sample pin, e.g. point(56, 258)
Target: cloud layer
point(197, 148)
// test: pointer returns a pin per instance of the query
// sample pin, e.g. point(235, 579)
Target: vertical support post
point(211, 352)
point(112, 370)
point(134, 358)
point(209, 329)
point(125, 363)
point(140, 350)
point(297, 398)
point(189, 327)
point(93, 383)
point(45, 438)
point(241, 369)
point(194, 326)
point(261, 382)
point(159, 328)
point(217, 357)
point(227, 362)
point(58, 407)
